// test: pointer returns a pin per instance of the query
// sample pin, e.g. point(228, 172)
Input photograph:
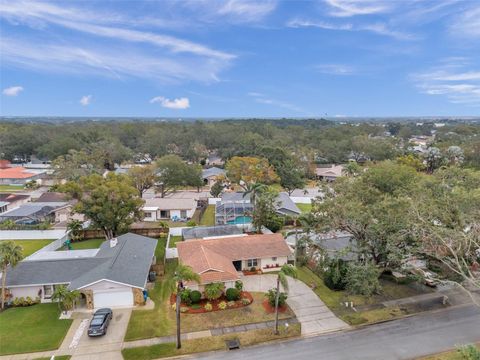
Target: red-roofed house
point(19, 176)
point(221, 259)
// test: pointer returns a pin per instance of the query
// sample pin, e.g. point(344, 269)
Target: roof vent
point(113, 242)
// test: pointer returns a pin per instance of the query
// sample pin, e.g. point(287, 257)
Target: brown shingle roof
point(213, 258)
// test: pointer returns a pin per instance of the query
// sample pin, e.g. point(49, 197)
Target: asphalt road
point(400, 339)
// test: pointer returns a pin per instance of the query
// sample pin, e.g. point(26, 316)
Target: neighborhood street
point(401, 339)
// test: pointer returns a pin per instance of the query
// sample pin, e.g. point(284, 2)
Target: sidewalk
point(207, 333)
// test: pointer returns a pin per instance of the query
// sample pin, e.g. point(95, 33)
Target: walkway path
point(313, 314)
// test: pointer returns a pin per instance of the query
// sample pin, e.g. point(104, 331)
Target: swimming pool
point(241, 220)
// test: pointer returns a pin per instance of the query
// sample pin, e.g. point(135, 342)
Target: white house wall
point(282, 260)
point(32, 291)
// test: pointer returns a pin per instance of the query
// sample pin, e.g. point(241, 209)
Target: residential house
point(330, 173)
point(112, 276)
point(214, 160)
point(33, 213)
point(156, 209)
point(11, 201)
point(236, 208)
point(63, 214)
point(18, 175)
point(221, 259)
point(211, 175)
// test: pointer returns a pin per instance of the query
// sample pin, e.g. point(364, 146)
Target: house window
point(252, 263)
point(47, 291)
point(274, 259)
point(148, 214)
point(183, 213)
point(164, 214)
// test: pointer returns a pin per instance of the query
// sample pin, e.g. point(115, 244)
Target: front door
point(238, 265)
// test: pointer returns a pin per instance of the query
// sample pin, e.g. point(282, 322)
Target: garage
point(112, 298)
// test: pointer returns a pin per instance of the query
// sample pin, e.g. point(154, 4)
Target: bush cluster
point(208, 307)
point(28, 301)
point(272, 294)
point(195, 296)
point(232, 294)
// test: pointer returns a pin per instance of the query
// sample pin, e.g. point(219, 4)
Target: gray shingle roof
point(128, 263)
point(213, 171)
point(33, 208)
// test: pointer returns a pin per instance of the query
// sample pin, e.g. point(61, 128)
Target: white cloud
point(233, 11)
point(347, 8)
point(12, 91)
point(335, 69)
point(107, 62)
point(161, 57)
point(451, 79)
point(180, 103)
point(264, 99)
point(86, 100)
point(467, 24)
point(377, 28)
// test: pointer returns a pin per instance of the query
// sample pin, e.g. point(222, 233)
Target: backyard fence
point(149, 232)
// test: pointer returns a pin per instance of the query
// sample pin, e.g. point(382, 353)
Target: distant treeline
point(316, 140)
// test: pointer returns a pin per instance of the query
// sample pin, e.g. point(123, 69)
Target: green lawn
point(10, 188)
point(173, 241)
point(86, 244)
point(30, 246)
point(161, 320)
point(334, 299)
point(304, 208)
point(160, 249)
point(246, 338)
point(31, 329)
point(208, 217)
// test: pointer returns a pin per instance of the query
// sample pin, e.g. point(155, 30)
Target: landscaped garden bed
point(269, 309)
point(219, 304)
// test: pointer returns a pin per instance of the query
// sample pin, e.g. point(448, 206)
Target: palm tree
point(66, 298)
point(182, 273)
point(308, 223)
point(75, 226)
point(286, 270)
point(10, 254)
point(253, 189)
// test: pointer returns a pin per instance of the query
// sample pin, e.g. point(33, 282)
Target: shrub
point(174, 307)
point(362, 279)
point(246, 301)
point(222, 305)
point(213, 291)
point(232, 294)
point(185, 296)
point(195, 296)
point(191, 223)
point(469, 352)
point(29, 301)
point(253, 269)
point(231, 303)
point(208, 307)
point(272, 293)
point(183, 309)
point(239, 285)
point(22, 302)
point(335, 275)
point(196, 306)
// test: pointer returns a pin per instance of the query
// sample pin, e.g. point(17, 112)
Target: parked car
point(100, 321)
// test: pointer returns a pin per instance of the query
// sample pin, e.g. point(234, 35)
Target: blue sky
point(236, 58)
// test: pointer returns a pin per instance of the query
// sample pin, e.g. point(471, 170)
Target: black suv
point(100, 321)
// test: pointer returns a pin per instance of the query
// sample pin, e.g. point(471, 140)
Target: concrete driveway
point(313, 314)
point(107, 347)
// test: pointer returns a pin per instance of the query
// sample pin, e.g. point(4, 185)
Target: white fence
point(31, 234)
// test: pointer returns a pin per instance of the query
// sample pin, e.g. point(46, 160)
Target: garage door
point(112, 298)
